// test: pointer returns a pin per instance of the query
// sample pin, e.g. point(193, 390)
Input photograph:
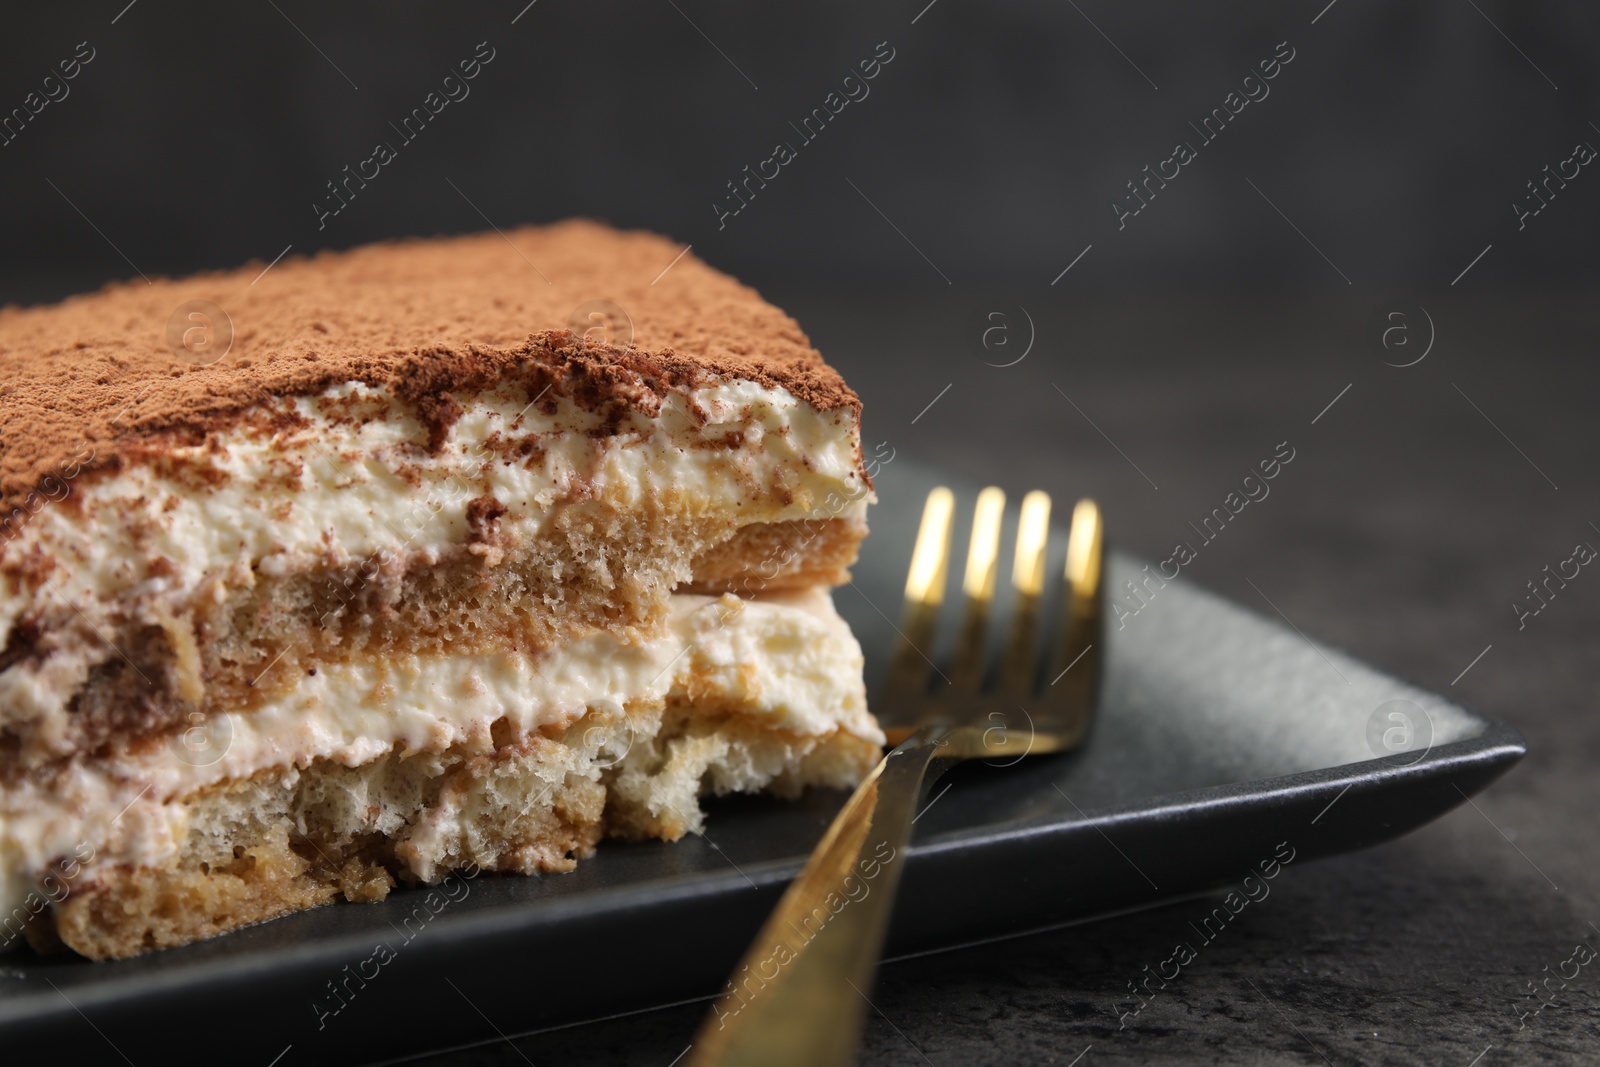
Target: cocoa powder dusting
point(482, 514)
point(91, 383)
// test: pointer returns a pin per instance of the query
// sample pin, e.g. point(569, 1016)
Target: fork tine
point(925, 582)
point(1019, 671)
point(1076, 668)
point(977, 587)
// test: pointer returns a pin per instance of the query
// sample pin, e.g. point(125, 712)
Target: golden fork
point(799, 995)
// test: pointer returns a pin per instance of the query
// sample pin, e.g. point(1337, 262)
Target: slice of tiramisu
point(388, 562)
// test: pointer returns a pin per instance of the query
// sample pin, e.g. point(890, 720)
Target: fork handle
point(799, 995)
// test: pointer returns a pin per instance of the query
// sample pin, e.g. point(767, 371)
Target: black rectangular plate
point(1220, 734)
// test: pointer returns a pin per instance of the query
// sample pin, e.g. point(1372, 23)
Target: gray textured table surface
point(1419, 506)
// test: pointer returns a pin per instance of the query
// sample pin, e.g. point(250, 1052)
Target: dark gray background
point(1189, 344)
point(1397, 139)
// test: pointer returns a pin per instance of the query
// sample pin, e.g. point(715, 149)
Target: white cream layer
point(345, 489)
point(789, 660)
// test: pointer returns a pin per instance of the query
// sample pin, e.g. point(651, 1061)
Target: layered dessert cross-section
point(437, 566)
